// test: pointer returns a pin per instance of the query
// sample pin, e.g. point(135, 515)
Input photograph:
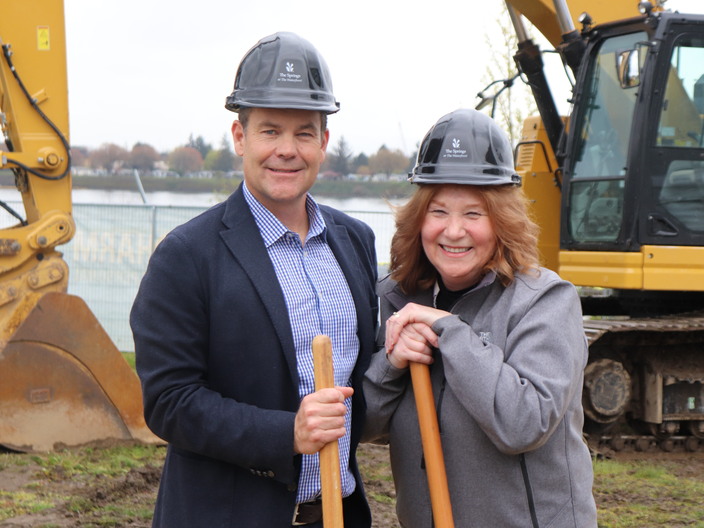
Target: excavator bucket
point(64, 383)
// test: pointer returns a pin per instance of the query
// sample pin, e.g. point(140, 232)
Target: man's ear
point(326, 139)
point(238, 137)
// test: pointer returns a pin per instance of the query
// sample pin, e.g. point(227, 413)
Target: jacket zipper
point(529, 491)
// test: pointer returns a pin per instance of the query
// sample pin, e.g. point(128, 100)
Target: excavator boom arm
point(62, 380)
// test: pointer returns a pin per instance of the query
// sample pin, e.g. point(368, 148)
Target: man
point(226, 313)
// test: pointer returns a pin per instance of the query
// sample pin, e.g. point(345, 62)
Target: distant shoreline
point(328, 188)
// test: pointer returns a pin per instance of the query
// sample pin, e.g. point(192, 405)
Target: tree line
point(196, 155)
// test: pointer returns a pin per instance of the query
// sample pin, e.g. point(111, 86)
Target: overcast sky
point(157, 72)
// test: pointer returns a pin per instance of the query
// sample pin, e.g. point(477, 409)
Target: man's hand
point(320, 419)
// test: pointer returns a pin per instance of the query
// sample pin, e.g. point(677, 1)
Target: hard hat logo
point(283, 70)
point(455, 151)
point(465, 147)
point(289, 75)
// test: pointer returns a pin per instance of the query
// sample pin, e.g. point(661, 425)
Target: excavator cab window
point(603, 136)
point(682, 108)
point(680, 129)
point(682, 193)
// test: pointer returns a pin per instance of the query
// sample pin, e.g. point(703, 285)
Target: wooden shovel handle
point(432, 448)
point(330, 480)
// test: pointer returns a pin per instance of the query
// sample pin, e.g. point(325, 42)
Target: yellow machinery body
point(62, 380)
point(618, 191)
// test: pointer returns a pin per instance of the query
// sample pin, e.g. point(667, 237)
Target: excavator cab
point(632, 185)
point(638, 127)
point(618, 189)
point(62, 380)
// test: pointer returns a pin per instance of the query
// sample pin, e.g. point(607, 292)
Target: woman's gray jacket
point(507, 382)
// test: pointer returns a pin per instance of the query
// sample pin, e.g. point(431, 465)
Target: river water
point(92, 196)
point(97, 196)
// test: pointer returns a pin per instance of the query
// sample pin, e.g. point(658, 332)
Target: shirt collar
point(487, 279)
point(271, 227)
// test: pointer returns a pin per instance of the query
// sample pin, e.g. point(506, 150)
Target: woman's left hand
point(409, 314)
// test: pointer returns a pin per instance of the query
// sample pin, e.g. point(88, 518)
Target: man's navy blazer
point(216, 358)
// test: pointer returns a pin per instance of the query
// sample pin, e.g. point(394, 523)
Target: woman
point(503, 337)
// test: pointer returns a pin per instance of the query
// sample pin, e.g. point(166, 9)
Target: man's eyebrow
point(272, 124)
point(268, 124)
point(308, 126)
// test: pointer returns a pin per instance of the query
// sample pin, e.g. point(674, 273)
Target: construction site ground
point(115, 486)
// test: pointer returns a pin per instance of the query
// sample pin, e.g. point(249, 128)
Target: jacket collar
point(389, 290)
point(242, 237)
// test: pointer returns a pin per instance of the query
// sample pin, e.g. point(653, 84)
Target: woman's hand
point(412, 345)
point(409, 336)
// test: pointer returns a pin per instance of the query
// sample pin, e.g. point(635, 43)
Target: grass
point(101, 487)
point(116, 486)
point(130, 358)
point(641, 494)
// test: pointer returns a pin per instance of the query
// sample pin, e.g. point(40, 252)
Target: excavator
point(617, 187)
point(63, 382)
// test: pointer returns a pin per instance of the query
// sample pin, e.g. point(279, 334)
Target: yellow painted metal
point(62, 380)
point(535, 162)
point(34, 36)
point(541, 13)
point(673, 268)
point(667, 268)
point(603, 269)
point(35, 32)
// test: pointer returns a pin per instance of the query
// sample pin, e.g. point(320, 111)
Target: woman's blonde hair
point(507, 208)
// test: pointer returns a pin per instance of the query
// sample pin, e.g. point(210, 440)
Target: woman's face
point(457, 235)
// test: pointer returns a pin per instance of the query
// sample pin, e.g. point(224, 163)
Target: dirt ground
point(131, 495)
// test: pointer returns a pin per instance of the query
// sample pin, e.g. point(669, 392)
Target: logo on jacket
point(485, 337)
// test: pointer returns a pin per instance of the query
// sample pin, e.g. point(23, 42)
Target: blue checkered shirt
point(319, 301)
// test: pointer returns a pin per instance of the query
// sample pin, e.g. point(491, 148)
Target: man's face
point(282, 151)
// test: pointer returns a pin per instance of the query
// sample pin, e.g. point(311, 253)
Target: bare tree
point(339, 159)
point(515, 102)
point(200, 145)
point(222, 159)
point(184, 160)
point(109, 156)
point(388, 162)
point(143, 157)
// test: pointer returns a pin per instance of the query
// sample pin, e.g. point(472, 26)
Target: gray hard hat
point(283, 70)
point(465, 147)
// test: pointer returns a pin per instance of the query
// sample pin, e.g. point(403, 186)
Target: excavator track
point(645, 444)
point(597, 328)
point(644, 383)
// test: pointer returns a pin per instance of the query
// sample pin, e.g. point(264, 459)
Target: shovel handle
point(432, 447)
point(330, 479)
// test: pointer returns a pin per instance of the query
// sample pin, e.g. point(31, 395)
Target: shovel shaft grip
point(432, 448)
point(330, 479)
